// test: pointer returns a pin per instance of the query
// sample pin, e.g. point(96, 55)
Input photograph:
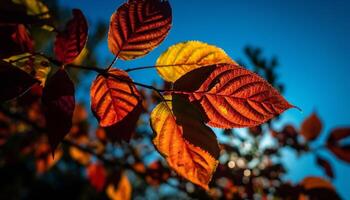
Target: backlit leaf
point(311, 127)
point(43, 159)
point(231, 96)
point(192, 54)
point(72, 40)
point(138, 26)
point(13, 81)
point(120, 191)
point(113, 97)
point(188, 145)
point(58, 103)
point(34, 7)
point(34, 65)
point(334, 143)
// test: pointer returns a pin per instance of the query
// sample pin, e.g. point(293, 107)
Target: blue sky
point(310, 39)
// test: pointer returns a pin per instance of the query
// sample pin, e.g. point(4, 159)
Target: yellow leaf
point(82, 56)
point(34, 65)
point(183, 57)
point(122, 191)
point(34, 7)
point(188, 145)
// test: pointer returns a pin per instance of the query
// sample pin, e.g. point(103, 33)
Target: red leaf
point(71, 41)
point(138, 26)
point(58, 102)
point(326, 166)
point(231, 96)
point(13, 81)
point(311, 127)
point(14, 39)
point(22, 37)
point(334, 140)
point(96, 174)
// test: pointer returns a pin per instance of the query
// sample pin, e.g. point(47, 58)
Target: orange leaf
point(58, 103)
point(115, 98)
point(312, 182)
point(190, 147)
point(334, 143)
point(318, 188)
point(311, 127)
point(43, 158)
point(72, 40)
point(120, 191)
point(231, 96)
point(137, 27)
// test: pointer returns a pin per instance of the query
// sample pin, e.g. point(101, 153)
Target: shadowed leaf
point(137, 27)
point(13, 81)
point(311, 127)
point(72, 40)
point(231, 96)
point(326, 166)
point(58, 102)
point(96, 174)
point(318, 188)
point(192, 54)
point(342, 151)
point(14, 39)
point(190, 147)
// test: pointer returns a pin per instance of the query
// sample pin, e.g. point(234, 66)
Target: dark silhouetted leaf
point(13, 81)
point(231, 96)
point(14, 39)
point(58, 102)
point(138, 26)
point(311, 127)
point(326, 166)
point(334, 143)
point(72, 40)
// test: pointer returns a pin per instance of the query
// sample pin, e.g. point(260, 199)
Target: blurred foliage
point(89, 166)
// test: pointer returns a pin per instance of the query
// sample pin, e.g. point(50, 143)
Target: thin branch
point(157, 66)
point(112, 63)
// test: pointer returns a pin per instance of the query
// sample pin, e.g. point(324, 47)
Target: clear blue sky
point(310, 39)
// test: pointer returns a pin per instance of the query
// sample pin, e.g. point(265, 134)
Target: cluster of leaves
point(203, 87)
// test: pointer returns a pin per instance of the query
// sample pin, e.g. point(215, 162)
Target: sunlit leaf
point(70, 42)
point(193, 54)
point(311, 127)
point(231, 96)
point(96, 174)
point(38, 66)
point(119, 191)
point(190, 147)
point(335, 145)
point(137, 27)
point(77, 154)
point(58, 102)
point(13, 81)
point(113, 97)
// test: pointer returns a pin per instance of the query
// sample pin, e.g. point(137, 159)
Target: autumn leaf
point(34, 8)
point(189, 147)
point(14, 39)
point(22, 37)
point(318, 188)
point(13, 81)
point(35, 65)
point(96, 175)
point(119, 191)
point(334, 143)
point(113, 97)
point(311, 127)
point(71, 41)
point(58, 103)
point(231, 96)
point(183, 57)
point(327, 167)
point(137, 27)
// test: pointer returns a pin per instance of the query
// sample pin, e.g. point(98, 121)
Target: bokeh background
point(309, 38)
